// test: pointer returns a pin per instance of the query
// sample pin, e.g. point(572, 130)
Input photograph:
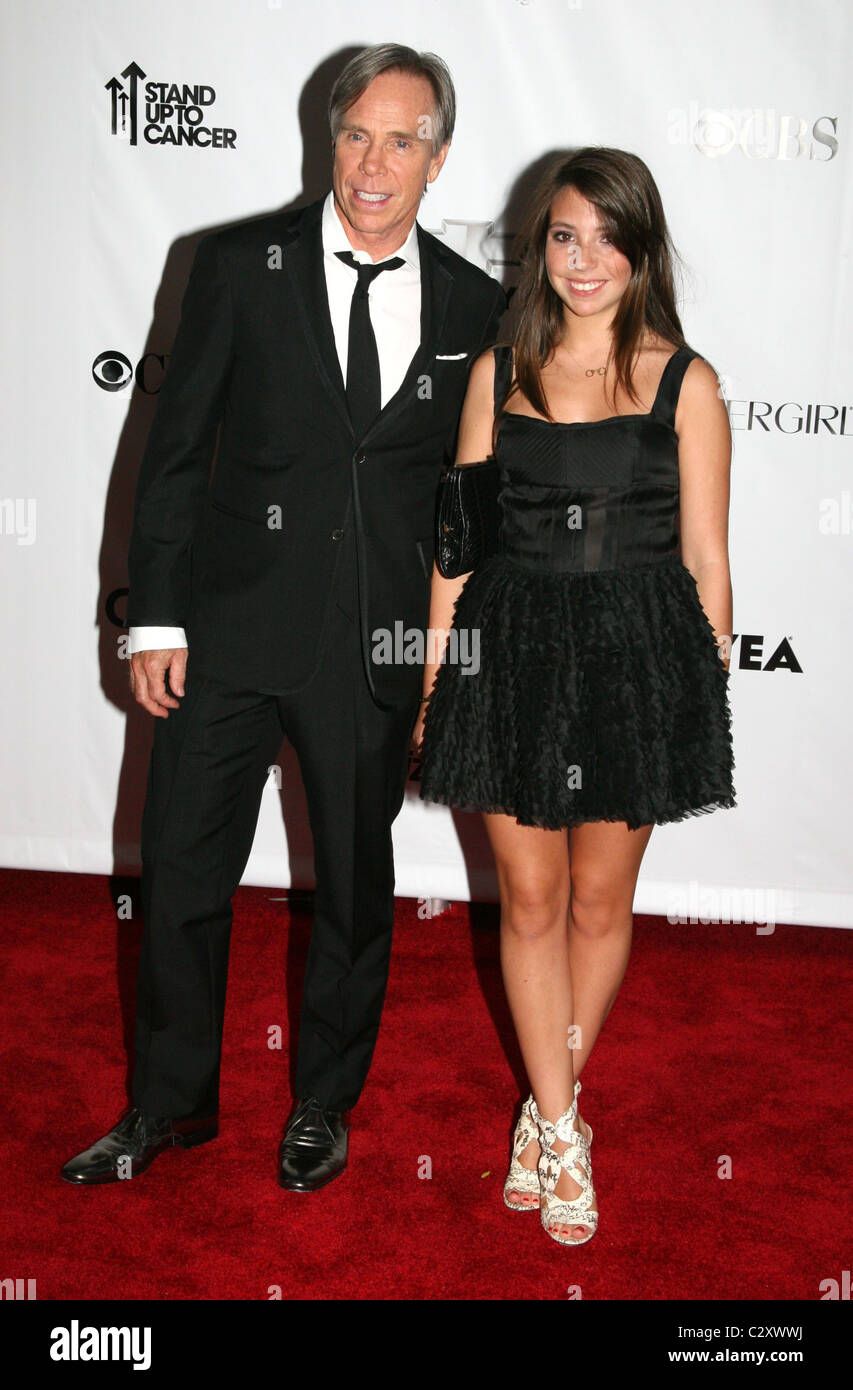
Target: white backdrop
point(742, 111)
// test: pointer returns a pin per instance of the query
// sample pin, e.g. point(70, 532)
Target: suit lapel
point(436, 285)
point(304, 260)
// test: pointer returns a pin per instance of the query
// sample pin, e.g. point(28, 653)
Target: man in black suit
point(330, 346)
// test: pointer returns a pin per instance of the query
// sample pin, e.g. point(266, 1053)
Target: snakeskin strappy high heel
point(519, 1178)
point(575, 1160)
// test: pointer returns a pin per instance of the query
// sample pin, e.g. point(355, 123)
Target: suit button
point(337, 535)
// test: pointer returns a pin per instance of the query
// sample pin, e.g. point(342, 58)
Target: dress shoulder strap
point(669, 387)
point(503, 373)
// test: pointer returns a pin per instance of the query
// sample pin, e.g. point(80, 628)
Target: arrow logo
point(121, 99)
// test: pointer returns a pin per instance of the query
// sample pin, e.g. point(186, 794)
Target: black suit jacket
point(245, 560)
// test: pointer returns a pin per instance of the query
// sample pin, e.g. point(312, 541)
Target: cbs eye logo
point(113, 371)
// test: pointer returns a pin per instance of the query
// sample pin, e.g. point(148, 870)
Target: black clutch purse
point(467, 517)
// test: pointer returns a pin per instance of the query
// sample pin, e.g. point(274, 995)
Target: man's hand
point(148, 679)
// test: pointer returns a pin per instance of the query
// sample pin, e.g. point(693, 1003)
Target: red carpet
point(721, 1043)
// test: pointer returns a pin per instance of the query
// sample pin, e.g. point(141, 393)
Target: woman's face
point(584, 267)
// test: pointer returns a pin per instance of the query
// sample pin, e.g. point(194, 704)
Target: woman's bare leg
point(533, 878)
point(565, 939)
point(605, 860)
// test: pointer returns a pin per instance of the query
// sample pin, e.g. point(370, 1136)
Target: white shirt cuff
point(146, 639)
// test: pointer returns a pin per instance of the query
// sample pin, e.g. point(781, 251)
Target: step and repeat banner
point(132, 130)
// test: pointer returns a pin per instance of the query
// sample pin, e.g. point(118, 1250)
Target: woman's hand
point(418, 731)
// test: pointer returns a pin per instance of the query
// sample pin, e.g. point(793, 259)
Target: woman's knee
point(532, 910)
point(598, 906)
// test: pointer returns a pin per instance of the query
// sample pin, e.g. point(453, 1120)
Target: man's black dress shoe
point(314, 1148)
point(133, 1145)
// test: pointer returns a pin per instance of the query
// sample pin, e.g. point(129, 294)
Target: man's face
point(383, 158)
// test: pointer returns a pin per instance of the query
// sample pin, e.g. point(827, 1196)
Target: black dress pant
point(208, 768)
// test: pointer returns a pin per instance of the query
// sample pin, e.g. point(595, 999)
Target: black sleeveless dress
point(590, 686)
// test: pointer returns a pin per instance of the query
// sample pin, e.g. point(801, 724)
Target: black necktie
point(364, 391)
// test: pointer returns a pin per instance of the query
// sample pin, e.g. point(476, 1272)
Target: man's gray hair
point(396, 57)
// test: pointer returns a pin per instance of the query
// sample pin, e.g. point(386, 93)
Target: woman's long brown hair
point(621, 188)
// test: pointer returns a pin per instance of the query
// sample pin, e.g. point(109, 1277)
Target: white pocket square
point(450, 356)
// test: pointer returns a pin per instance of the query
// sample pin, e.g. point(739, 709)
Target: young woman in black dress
point(600, 707)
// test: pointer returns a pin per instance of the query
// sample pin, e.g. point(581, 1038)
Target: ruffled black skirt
point(580, 697)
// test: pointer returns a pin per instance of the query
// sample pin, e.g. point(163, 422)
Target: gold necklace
point(591, 371)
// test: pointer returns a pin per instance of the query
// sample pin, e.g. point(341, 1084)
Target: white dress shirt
point(394, 301)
